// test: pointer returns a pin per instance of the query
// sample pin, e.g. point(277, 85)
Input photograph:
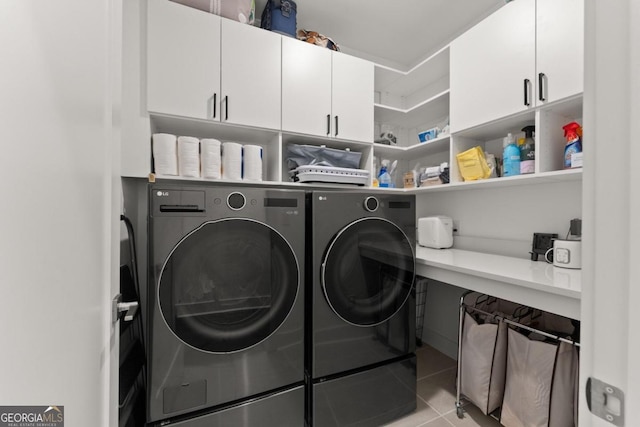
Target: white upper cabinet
point(306, 88)
point(326, 93)
point(183, 61)
point(525, 55)
point(251, 68)
point(559, 49)
point(352, 95)
point(492, 71)
point(207, 67)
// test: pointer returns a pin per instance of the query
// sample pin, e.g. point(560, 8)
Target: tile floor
point(437, 395)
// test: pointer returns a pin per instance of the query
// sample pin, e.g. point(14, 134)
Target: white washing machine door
point(368, 271)
point(228, 285)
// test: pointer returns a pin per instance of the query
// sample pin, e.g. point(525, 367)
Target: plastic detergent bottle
point(384, 179)
point(528, 151)
point(510, 157)
point(573, 135)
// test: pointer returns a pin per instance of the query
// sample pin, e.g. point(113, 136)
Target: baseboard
point(441, 343)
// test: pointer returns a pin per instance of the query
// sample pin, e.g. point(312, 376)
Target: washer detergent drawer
point(282, 409)
point(185, 396)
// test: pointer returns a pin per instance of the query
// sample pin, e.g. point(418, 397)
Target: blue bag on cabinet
point(280, 16)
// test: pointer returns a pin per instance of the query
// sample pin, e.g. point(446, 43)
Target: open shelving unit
point(414, 100)
point(273, 142)
point(409, 102)
point(549, 139)
point(548, 119)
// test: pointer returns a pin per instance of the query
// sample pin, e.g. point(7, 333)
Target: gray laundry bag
point(483, 354)
point(483, 362)
point(540, 382)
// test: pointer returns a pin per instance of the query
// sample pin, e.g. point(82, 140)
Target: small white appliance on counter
point(435, 232)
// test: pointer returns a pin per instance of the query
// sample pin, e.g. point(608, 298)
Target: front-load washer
point(225, 305)
point(361, 366)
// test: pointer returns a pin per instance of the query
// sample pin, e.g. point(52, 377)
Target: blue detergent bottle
point(384, 179)
point(510, 157)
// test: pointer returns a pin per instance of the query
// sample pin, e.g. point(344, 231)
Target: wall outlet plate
point(542, 242)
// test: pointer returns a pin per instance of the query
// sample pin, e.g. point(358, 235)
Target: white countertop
point(535, 283)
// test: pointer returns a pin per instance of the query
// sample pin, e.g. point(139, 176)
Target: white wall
point(502, 220)
point(441, 317)
point(136, 133)
point(56, 115)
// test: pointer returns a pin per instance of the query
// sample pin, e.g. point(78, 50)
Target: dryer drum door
point(368, 271)
point(228, 285)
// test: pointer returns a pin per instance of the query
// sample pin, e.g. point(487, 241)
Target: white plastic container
point(435, 232)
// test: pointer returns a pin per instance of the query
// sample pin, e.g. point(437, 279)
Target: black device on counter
point(542, 242)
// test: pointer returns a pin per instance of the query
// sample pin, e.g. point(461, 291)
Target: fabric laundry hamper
point(540, 382)
point(484, 352)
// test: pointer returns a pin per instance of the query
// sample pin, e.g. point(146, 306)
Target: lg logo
point(322, 197)
point(162, 193)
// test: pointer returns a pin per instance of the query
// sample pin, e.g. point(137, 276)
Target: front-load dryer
point(225, 305)
point(361, 308)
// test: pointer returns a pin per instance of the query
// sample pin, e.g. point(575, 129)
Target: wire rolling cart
point(494, 382)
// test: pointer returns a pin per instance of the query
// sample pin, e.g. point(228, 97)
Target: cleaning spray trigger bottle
point(510, 157)
point(528, 151)
point(384, 179)
point(573, 135)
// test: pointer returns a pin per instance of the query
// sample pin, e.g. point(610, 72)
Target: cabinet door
point(352, 98)
point(492, 64)
point(560, 51)
point(306, 88)
point(183, 60)
point(250, 75)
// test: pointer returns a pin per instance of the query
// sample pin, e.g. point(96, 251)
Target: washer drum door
point(368, 271)
point(228, 285)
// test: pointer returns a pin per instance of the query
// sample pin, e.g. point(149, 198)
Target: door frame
point(611, 201)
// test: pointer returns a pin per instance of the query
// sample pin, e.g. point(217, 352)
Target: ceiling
point(397, 33)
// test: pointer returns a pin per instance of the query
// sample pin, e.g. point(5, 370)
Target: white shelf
point(519, 180)
point(499, 128)
point(534, 283)
point(438, 145)
point(427, 111)
point(569, 107)
point(405, 83)
point(200, 128)
point(278, 184)
point(299, 138)
point(162, 178)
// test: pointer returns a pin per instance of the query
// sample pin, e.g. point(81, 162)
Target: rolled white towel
point(188, 156)
point(211, 161)
point(252, 166)
point(231, 160)
point(165, 154)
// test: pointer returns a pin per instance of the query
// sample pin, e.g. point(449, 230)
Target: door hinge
point(120, 309)
point(605, 401)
